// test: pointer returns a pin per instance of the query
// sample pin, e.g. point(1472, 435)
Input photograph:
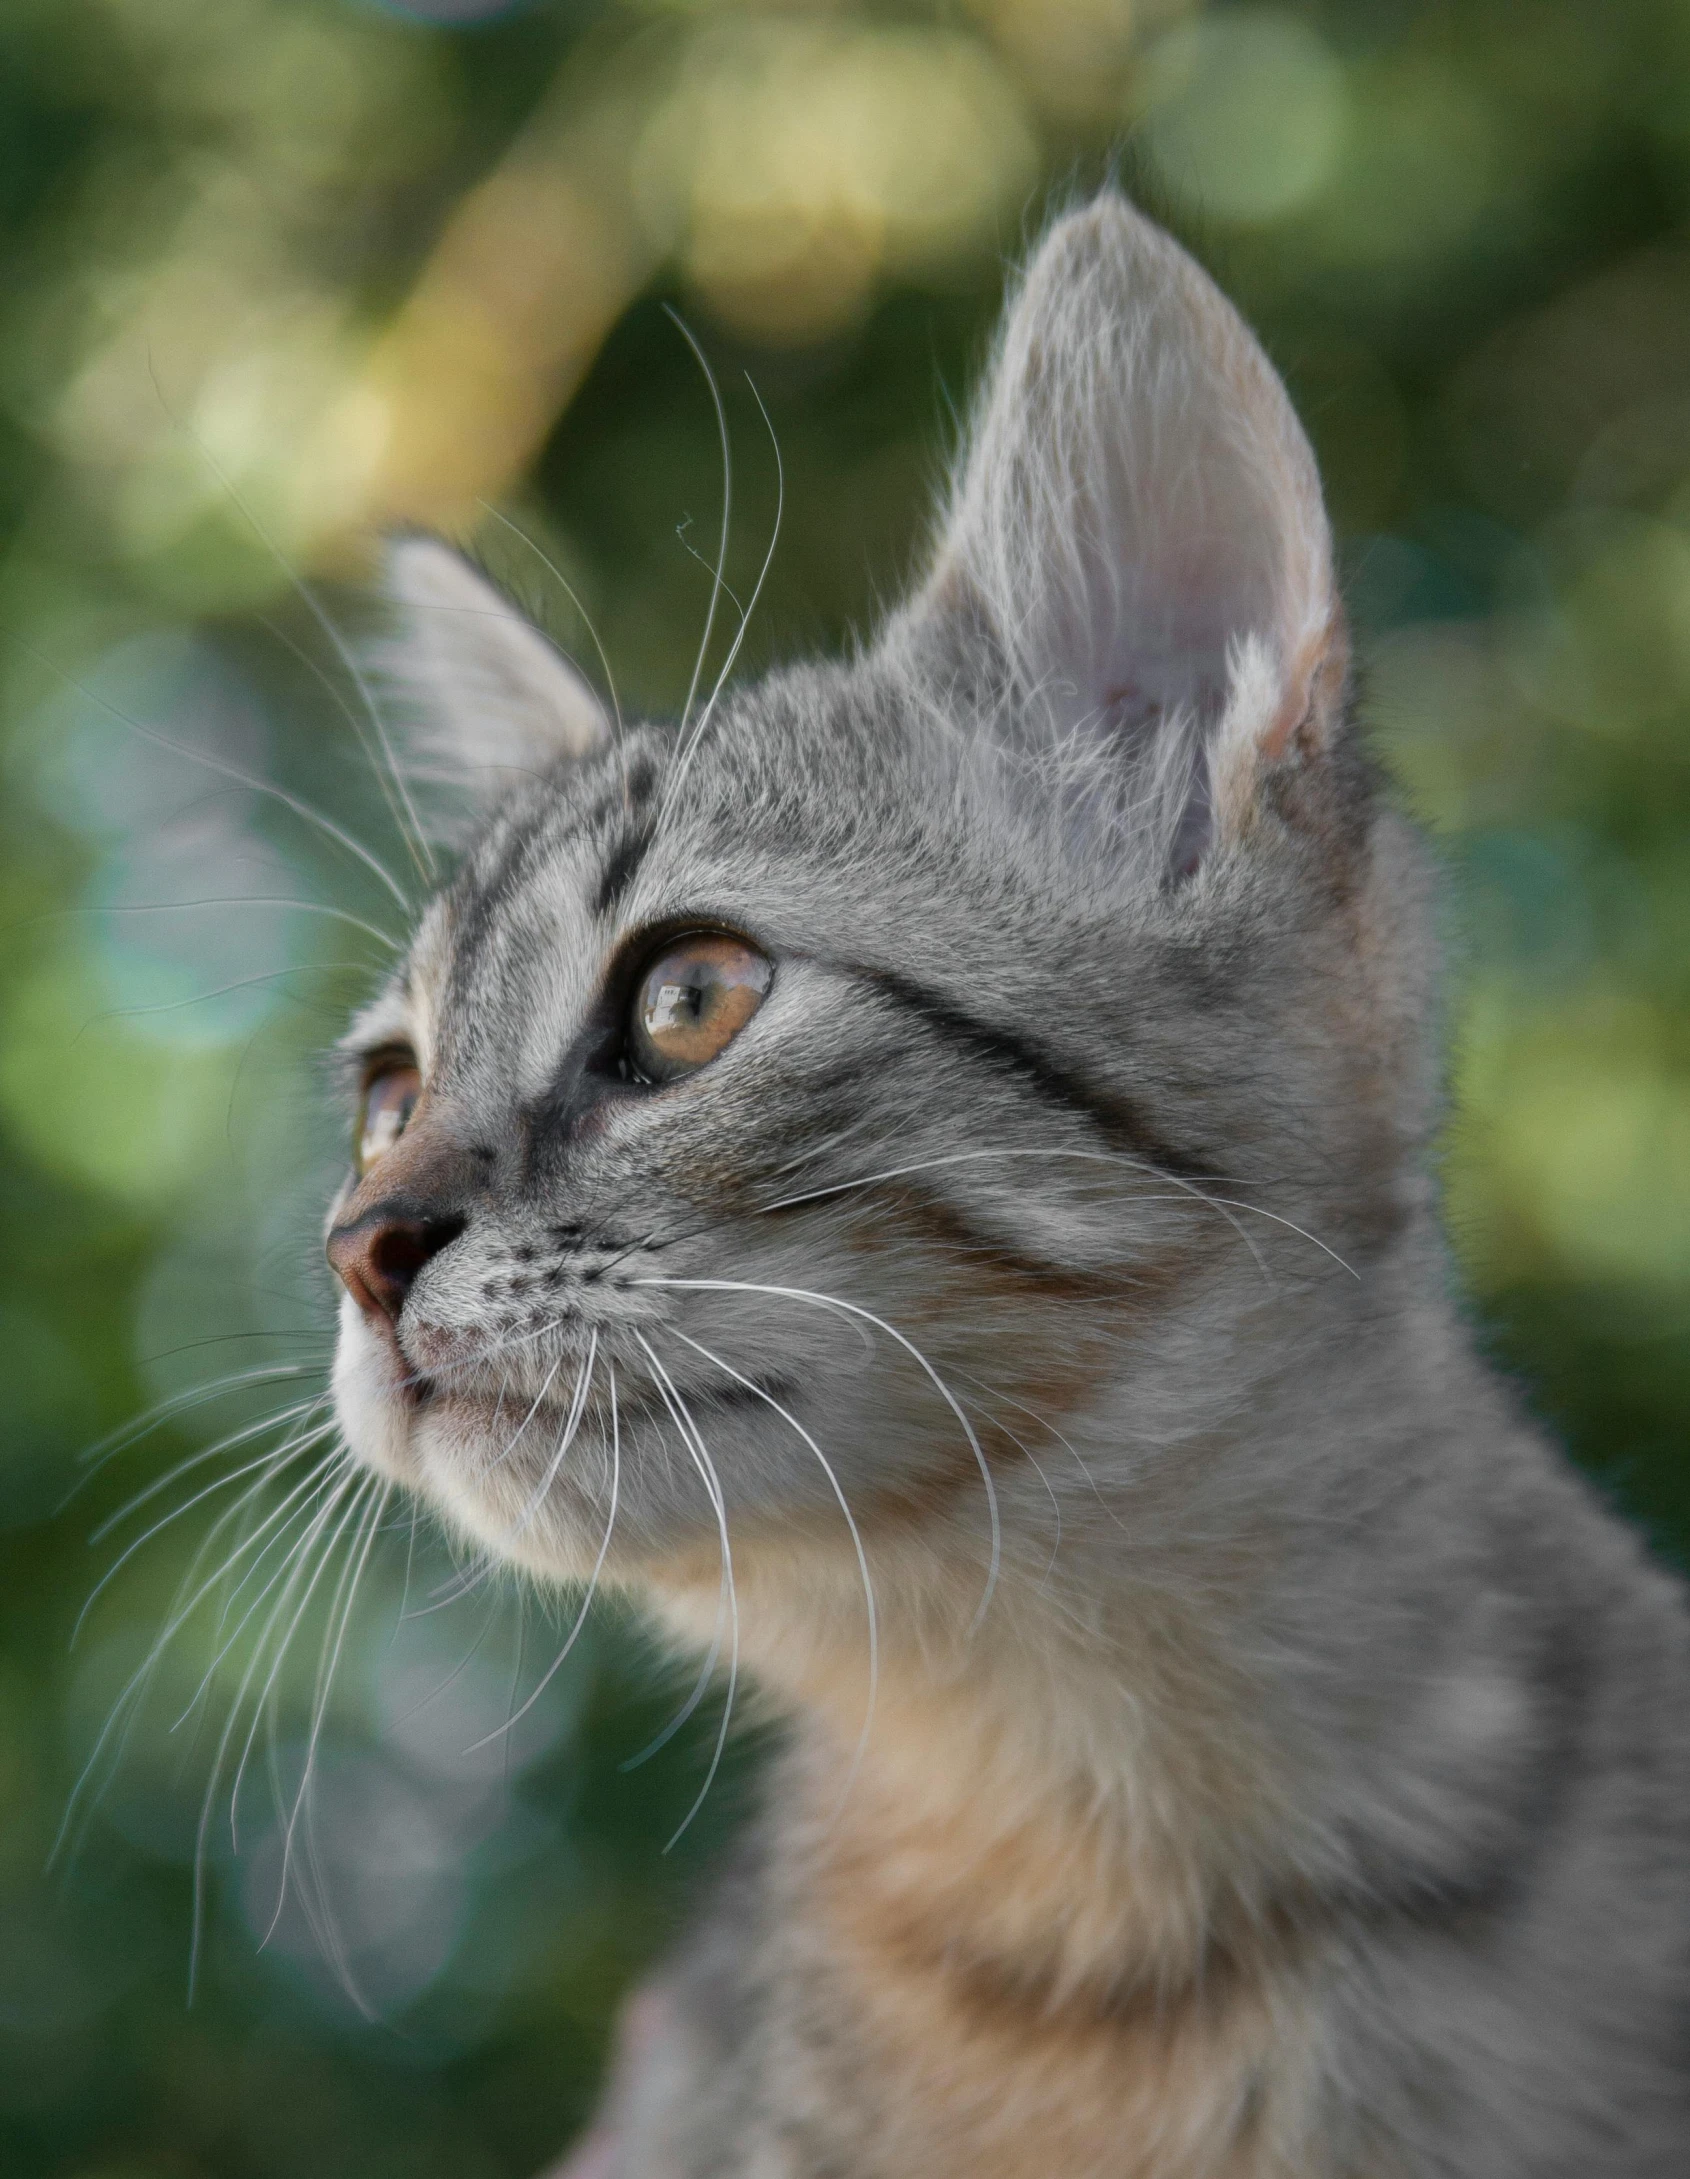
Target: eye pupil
point(675, 1001)
point(693, 1001)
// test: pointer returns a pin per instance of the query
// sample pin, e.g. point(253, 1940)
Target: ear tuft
point(490, 697)
point(1137, 556)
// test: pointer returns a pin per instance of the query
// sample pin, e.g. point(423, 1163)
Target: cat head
point(789, 1126)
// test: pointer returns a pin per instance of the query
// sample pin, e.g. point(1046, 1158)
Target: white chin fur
point(371, 1414)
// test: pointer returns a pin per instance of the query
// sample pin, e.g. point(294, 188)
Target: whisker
point(690, 747)
point(225, 900)
point(1032, 1460)
point(328, 1666)
point(692, 552)
point(301, 1491)
point(134, 1689)
point(388, 775)
point(700, 1688)
point(553, 1668)
point(251, 780)
point(410, 1567)
point(298, 1564)
point(130, 1433)
point(703, 361)
point(851, 1308)
point(270, 1462)
point(572, 1423)
point(1068, 1446)
point(529, 1417)
point(150, 1491)
point(569, 591)
point(218, 991)
point(355, 1488)
point(1091, 1157)
point(827, 1468)
point(452, 1678)
point(706, 1467)
point(455, 1588)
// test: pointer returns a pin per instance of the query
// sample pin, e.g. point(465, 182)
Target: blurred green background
point(278, 271)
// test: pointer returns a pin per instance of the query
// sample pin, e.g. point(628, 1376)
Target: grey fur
point(1093, 931)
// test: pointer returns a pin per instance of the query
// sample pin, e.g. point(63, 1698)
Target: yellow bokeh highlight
point(795, 164)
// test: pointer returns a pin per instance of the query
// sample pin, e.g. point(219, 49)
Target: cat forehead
point(795, 783)
point(827, 812)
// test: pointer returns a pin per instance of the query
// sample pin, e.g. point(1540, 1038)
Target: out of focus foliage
point(278, 271)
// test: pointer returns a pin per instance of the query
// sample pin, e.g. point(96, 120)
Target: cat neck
point(1145, 1742)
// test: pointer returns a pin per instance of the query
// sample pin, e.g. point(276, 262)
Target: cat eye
point(390, 1097)
point(694, 998)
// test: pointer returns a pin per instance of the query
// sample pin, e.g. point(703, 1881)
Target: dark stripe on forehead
point(550, 824)
point(1117, 1117)
point(491, 890)
point(620, 869)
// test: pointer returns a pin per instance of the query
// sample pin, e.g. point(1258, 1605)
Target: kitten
point(922, 1176)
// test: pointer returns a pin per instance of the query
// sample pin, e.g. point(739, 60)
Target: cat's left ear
point(1135, 574)
point(489, 699)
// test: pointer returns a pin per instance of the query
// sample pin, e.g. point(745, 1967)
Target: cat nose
point(378, 1256)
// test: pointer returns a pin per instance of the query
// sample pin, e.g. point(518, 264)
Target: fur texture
point(1261, 1755)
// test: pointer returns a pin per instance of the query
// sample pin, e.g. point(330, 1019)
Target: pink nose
point(378, 1256)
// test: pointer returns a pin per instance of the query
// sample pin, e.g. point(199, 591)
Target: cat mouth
point(417, 1392)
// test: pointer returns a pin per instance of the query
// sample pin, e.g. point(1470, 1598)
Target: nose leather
point(378, 1256)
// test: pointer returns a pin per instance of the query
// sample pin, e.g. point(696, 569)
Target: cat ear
point(1137, 549)
point(489, 698)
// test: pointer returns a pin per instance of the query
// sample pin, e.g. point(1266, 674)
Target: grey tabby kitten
point(922, 1177)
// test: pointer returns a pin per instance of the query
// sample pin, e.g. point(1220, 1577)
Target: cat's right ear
point(1135, 575)
point(488, 700)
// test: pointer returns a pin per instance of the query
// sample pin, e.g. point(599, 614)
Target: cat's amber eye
point(390, 1097)
point(695, 997)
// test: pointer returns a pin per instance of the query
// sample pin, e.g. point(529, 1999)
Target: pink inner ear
point(1312, 679)
point(1140, 513)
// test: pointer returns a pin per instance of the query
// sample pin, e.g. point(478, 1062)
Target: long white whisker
point(828, 1470)
point(134, 1688)
point(552, 1669)
point(230, 900)
point(282, 1515)
point(1050, 1429)
point(686, 334)
point(220, 991)
point(1090, 1157)
point(388, 774)
point(557, 575)
point(458, 1670)
point(462, 1586)
point(138, 1426)
point(688, 751)
point(1037, 1466)
point(713, 1490)
point(270, 1463)
point(700, 1688)
point(356, 1487)
point(853, 1309)
point(326, 1670)
point(151, 1490)
point(298, 1566)
point(501, 1458)
point(251, 780)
